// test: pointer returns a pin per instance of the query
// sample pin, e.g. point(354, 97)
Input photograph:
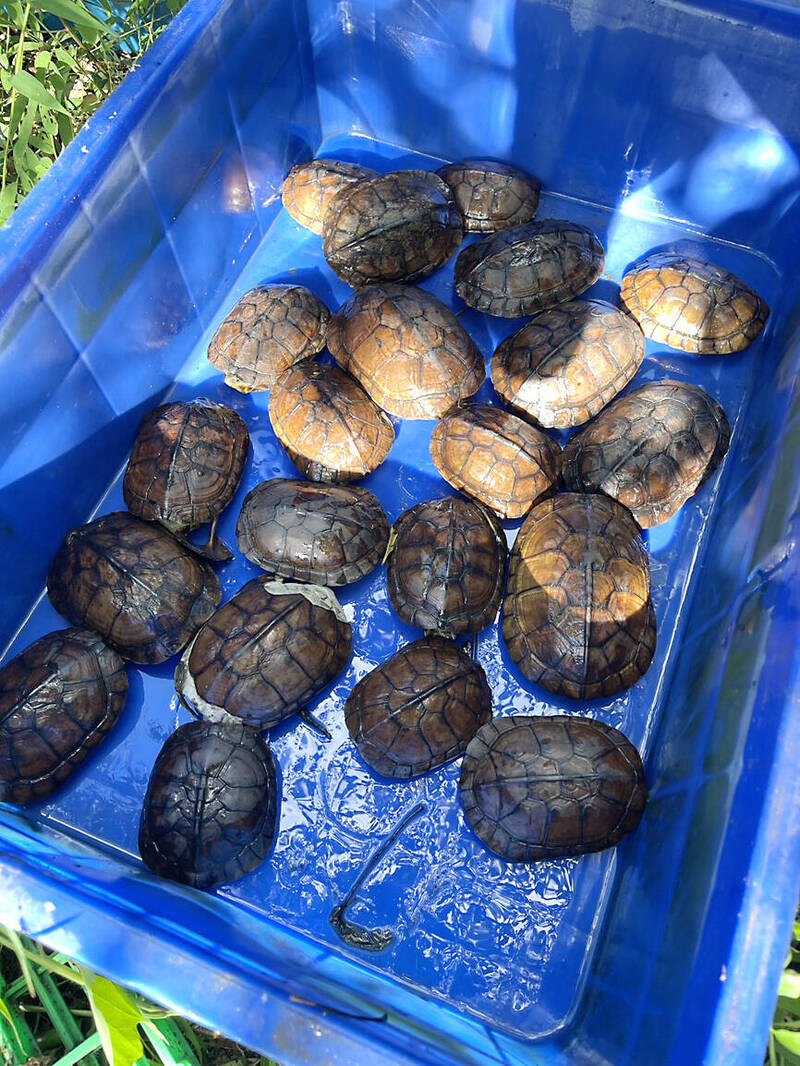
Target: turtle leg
point(214, 548)
point(306, 716)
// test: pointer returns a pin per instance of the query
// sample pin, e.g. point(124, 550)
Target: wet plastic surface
point(586, 957)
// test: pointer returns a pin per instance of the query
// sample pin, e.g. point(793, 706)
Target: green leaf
point(43, 59)
point(15, 13)
point(69, 11)
point(8, 201)
point(65, 130)
point(116, 1016)
point(27, 85)
point(788, 1044)
point(789, 986)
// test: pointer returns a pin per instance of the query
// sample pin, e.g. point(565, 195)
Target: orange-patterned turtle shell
point(419, 709)
point(651, 449)
point(545, 787)
point(496, 457)
point(491, 196)
point(397, 227)
point(407, 349)
point(268, 329)
point(326, 422)
point(692, 305)
point(577, 616)
point(529, 268)
point(568, 363)
point(447, 568)
point(309, 188)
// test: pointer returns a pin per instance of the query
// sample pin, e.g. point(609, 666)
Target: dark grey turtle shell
point(58, 700)
point(268, 330)
point(211, 809)
point(265, 653)
point(491, 196)
point(310, 187)
point(538, 788)
point(397, 227)
point(133, 583)
point(692, 305)
point(419, 709)
point(447, 568)
point(651, 449)
point(529, 268)
point(326, 534)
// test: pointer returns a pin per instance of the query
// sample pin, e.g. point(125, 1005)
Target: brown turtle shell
point(269, 329)
point(326, 534)
point(447, 568)
point(419, 709)
point(327, 423)
point(265, 653)
point(495, 457)
point(651, 449)
point(309, 188)
point(407, 349)
point(577, 617)
point(133, 583)
point(398, 227)
point(529, 268)
point(692, 305)
point(58, 699)
point(568, 363)
point(547, 787)
point(211, 809)
point(491, 196)
point(186, 464)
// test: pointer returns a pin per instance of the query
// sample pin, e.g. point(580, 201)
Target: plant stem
point(17, 69)
point(42, 960)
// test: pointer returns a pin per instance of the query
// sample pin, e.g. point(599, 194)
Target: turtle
point(568, 363)
point(330, 428)
point(398, 227)
point(267, 330)
point(325, 534)
point(651, 449)
point(265, 653)
point(185, 466)
point(491, 196)
point(692, 305)
point(309, 188)
point(496, 457)
point(447, 567)
point(577, 617)
point(58, 699)
point(539, 787)
point(529, 268)
point(407, 349)
point(132, 582)
point(210, 813)
point(419, 709)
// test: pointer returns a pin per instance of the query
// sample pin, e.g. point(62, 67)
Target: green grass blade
point(8, 200)
point(19, 950)
point(69, 11)
point(27, 85)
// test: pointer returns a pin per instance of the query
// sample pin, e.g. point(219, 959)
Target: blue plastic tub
point(655, 123)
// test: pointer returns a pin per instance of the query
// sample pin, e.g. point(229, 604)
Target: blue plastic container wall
point(657, 124)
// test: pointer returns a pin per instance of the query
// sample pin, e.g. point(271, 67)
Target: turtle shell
point(651, 449)
point(407, 349)
point(491, 196)
point(309, 188)
point(568, 363)
point(211, 809)
point(269, 329)
point(547, 787)
point(496, 457)
point(577, 617)
point(327, 423)
point(265, 653)
point(692, 305)
point(397, 227)
point(529, 268)
point(447, 569)
point(326, 534)
point(58, 699)
point(133, 583)
point(186, 464)
point(419, 709)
